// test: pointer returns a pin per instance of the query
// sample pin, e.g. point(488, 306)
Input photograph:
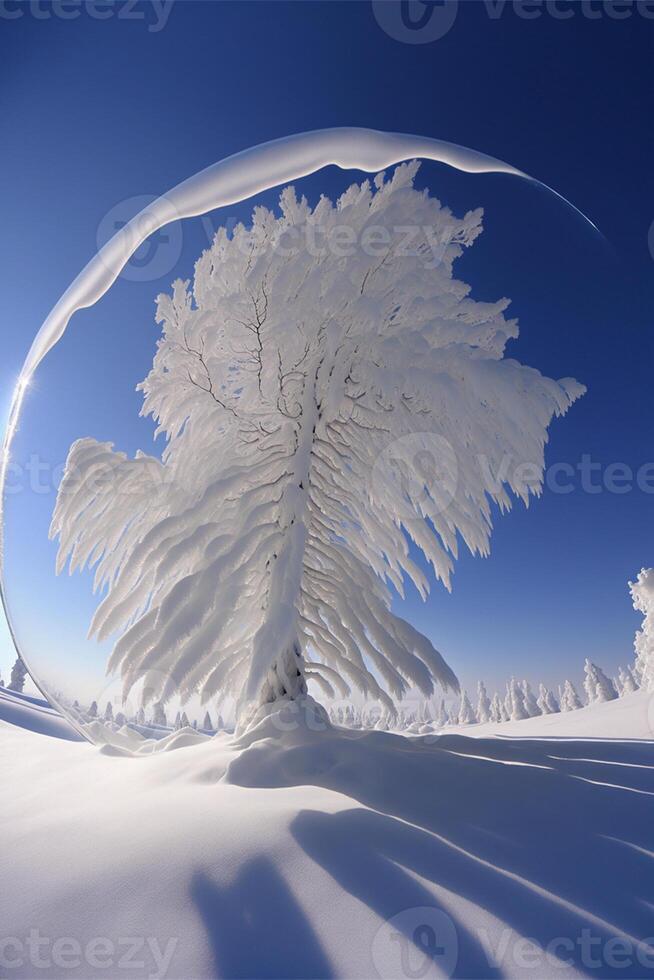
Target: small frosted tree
point(442, 715)
point(515, 701)
point(318, 411)
point(642, 594)
point(547, 703)
point(570, 700)
point(483, 703)
point(18, 675)
point(597, 685)
point(93, 710)
point(531, 704)
point(466, 713)
point(496, 709)
point(627, 681)
point(109, 712)
point(159, 716)
point(207, 724)
point(140, 717)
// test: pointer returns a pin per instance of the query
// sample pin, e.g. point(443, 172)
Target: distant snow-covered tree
point(120, 719)
point(109, 712)
point(642, 594)
point(496, 709)
point(258, 555)
point(466, 713)
point(531, 704)
point(515, 702)
point(207, 724)
point(159, 716)
point(442, 715)
point(18, 675)
point(483, 703)
point(570, 700)
point(140, 717)
point(627, 680)
point(547, 703)
point(93, 710)
point(184, 722)
point(597, 685)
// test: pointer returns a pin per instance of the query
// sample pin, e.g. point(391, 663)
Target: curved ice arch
point(230, 181)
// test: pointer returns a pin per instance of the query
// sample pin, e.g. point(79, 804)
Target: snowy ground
point(331, 854)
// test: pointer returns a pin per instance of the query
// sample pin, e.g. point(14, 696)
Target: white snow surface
point(285, 854)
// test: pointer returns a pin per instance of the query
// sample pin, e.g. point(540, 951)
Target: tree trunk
point(286, 677)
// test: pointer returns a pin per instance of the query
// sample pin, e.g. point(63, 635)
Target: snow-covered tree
point(442, 715)
point(159, 716)
point(570, 700)
point(93, 710)
point(547, 703)
point(627, 681)
point(120, 719)
point(140, 717)
point(466, 713)
point(184, 722)
point(531, 704)
point(642, 594)
point(109, 712)
point(496, 709)
point(258, 554)
point(515, 701)
point(597, 685)
point(483, 703)
point(207, 724)
point(18, 675)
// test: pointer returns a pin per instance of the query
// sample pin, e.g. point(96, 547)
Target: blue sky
point(96, 112)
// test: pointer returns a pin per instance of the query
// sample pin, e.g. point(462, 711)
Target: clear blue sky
point(93, 112)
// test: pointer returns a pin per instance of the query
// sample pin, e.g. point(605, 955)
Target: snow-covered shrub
point(642, 593)
point(109, 712)
point(258, 554)
point(93, 710)
point(597, 685)
point(207, 724)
